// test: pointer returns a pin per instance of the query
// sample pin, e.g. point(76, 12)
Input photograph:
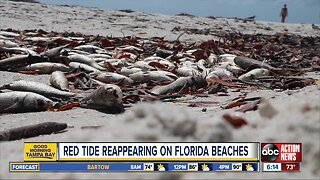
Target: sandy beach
point(298, 110)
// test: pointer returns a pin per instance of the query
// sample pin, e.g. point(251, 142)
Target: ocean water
point(300, 11)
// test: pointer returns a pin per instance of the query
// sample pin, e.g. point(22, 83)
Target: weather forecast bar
point(132, 167)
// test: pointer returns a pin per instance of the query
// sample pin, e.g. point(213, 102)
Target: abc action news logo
point(281, 152)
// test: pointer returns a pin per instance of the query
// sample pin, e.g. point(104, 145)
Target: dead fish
point(8, 44)
point(99, 60)
point(144, 66)
point(114, 62)
point(30, 34)
point(76, 38)
point(228, 57)
point(124, 55)
point(9, 34)
point(187, 71)
point(85, 60)
point(31, 131)
point(109, 77)
point(59, 80)
point(18, 50)
point(88, 69)
point(38, 39)
point(104, 56)
point(153, 76)
point(212, 59)
point(54, 52)
point(45, 68)
point(253, 74)
point(161, 61)
point(222, 73)
point(201, 65)
point(129, 49)
point(230, 67)
point(227, 61)
point(153, 58)
point(19, 61)
point(19, 102)
point(127, 71)
point(163, 53)
point(161, 73)
point(39, 88)
point(6, 38)
point(248, 63)
point(107, 98)
point(73, 52)
point(90, 48)
point(179, 84)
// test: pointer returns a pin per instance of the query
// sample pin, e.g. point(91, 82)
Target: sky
point(300, 11)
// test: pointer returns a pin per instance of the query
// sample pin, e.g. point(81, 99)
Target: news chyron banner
point(158, 151)
point(137, 157)
point(281, 157)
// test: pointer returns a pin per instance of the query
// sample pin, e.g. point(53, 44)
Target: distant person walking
point(284, 13)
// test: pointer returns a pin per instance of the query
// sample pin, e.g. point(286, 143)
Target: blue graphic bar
point(126, 167)
point(90, 166)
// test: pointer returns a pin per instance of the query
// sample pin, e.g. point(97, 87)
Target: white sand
point(289, 125)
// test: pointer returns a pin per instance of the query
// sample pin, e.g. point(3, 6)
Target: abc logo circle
point(270, 152)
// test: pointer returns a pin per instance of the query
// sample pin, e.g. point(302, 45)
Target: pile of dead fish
point(109, 73)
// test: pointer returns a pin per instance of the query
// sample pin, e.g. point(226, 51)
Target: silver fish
point(19, 61)
point(105, 56)
point(222, 73)
point(186, 71)
point(127, 71)
point(153, 58)
point(230, 67)
point(8, 44)
point(179, 84)
point(212, 59)
point(18, 102)
point(88, 69)
point(39, 88)
point(160, 60)
point(45, 68)
point(153, 76)
point(9, 34)
point(89, 48)
point(18, 50)
point(248, 63)
point(59, 80)
point(228, 57)
point(74, 51)
point(129, 49)
point(109, 77)
point(36, 39)
point(253, 74)
point(54, 52)
point(114, 62)
point(6, 38)
point(143, 65)
point(85, 60)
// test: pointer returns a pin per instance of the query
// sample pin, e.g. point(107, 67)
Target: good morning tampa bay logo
point(40, 151)
point(269, 152)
